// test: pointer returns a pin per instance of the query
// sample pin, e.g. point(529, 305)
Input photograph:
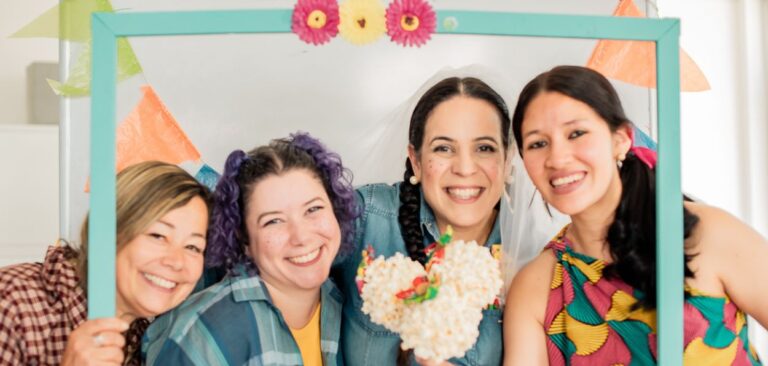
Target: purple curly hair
point(228, 237)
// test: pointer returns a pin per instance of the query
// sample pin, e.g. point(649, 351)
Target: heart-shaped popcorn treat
point(436, 308)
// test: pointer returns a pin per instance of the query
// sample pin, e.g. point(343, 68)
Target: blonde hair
point(145, 193)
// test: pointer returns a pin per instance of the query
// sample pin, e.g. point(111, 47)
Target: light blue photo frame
point(107, 27)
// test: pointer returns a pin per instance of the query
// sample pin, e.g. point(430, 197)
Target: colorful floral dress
point(590, 321)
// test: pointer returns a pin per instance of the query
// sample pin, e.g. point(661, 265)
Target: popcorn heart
point(383, 279)
point(441, 328)
point(436, 308)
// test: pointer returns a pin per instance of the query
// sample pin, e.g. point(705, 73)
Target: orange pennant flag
point(151, 133)
point(634, 62)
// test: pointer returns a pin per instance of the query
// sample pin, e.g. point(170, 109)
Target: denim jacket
point(367, 343)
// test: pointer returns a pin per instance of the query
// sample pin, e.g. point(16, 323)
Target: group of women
point(288, 228)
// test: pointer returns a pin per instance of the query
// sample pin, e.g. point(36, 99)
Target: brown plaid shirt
point(40, 304)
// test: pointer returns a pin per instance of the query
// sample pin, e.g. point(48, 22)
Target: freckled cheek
point(269, 244)
point(275, 240)
point(327, 226)
point(435, 167)
point(494, 168)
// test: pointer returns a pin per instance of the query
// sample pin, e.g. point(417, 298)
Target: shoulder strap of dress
point(557, 244)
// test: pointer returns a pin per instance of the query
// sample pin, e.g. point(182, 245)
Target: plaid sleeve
point(183, 342)
point(10, 347)
point(172, 354)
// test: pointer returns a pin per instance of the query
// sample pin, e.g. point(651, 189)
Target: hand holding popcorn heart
point(436, 308)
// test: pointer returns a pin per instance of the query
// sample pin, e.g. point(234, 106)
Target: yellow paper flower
point(362, 21)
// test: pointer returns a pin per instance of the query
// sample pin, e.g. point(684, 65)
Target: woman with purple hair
point(282, 212)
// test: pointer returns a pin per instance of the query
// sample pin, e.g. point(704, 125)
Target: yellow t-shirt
point(308, 339)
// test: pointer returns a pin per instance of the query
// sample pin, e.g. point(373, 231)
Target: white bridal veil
point(526, 226)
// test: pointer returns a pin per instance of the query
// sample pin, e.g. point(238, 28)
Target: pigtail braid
point(224, 241)
point(408, 216)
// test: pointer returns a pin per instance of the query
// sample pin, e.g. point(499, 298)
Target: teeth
point(305, 258)
point(569, 179)
point(464, 193)
point(162, 282)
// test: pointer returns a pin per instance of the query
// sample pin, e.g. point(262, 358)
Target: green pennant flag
point(78, 21)
point(78, 15)
point(44, 26)
point(79, 82)
point(77, 28)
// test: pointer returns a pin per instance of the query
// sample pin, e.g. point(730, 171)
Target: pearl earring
point(413, 180)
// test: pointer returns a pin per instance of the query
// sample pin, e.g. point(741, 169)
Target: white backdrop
point(239, 91)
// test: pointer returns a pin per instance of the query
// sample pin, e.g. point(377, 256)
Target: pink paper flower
point(315, 21)
point(410, 22)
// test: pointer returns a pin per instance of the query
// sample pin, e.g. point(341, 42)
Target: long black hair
point(632, 234)
point(410, 196)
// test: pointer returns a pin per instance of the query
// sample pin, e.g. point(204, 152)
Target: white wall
point(17, 53)
point(29, 191)
point(214, 85)
point(29, 187)
point(725, 130)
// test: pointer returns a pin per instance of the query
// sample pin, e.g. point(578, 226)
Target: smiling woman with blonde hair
point(162, 218)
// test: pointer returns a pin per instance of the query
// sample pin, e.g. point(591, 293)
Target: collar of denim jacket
point(432, 231)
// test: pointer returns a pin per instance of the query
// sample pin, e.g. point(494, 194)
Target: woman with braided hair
point(458, 140)
point(281, 214)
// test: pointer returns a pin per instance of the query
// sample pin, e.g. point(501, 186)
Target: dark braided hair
point(228, 236)
point(632, 235)
point(410, 196)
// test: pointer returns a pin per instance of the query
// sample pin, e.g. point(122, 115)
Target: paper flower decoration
point(362, 21)
point(436, 308)
point(410, 22)
point(315, 21)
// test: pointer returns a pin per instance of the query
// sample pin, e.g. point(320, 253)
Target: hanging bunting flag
point(151, 133)
point(202, 172)
point(78, 29)
point(78, 25)
point(78, 14)
point(79, 81)
point(207, 176)
point(44, 26)
point(642, 139)
point(634, 62)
